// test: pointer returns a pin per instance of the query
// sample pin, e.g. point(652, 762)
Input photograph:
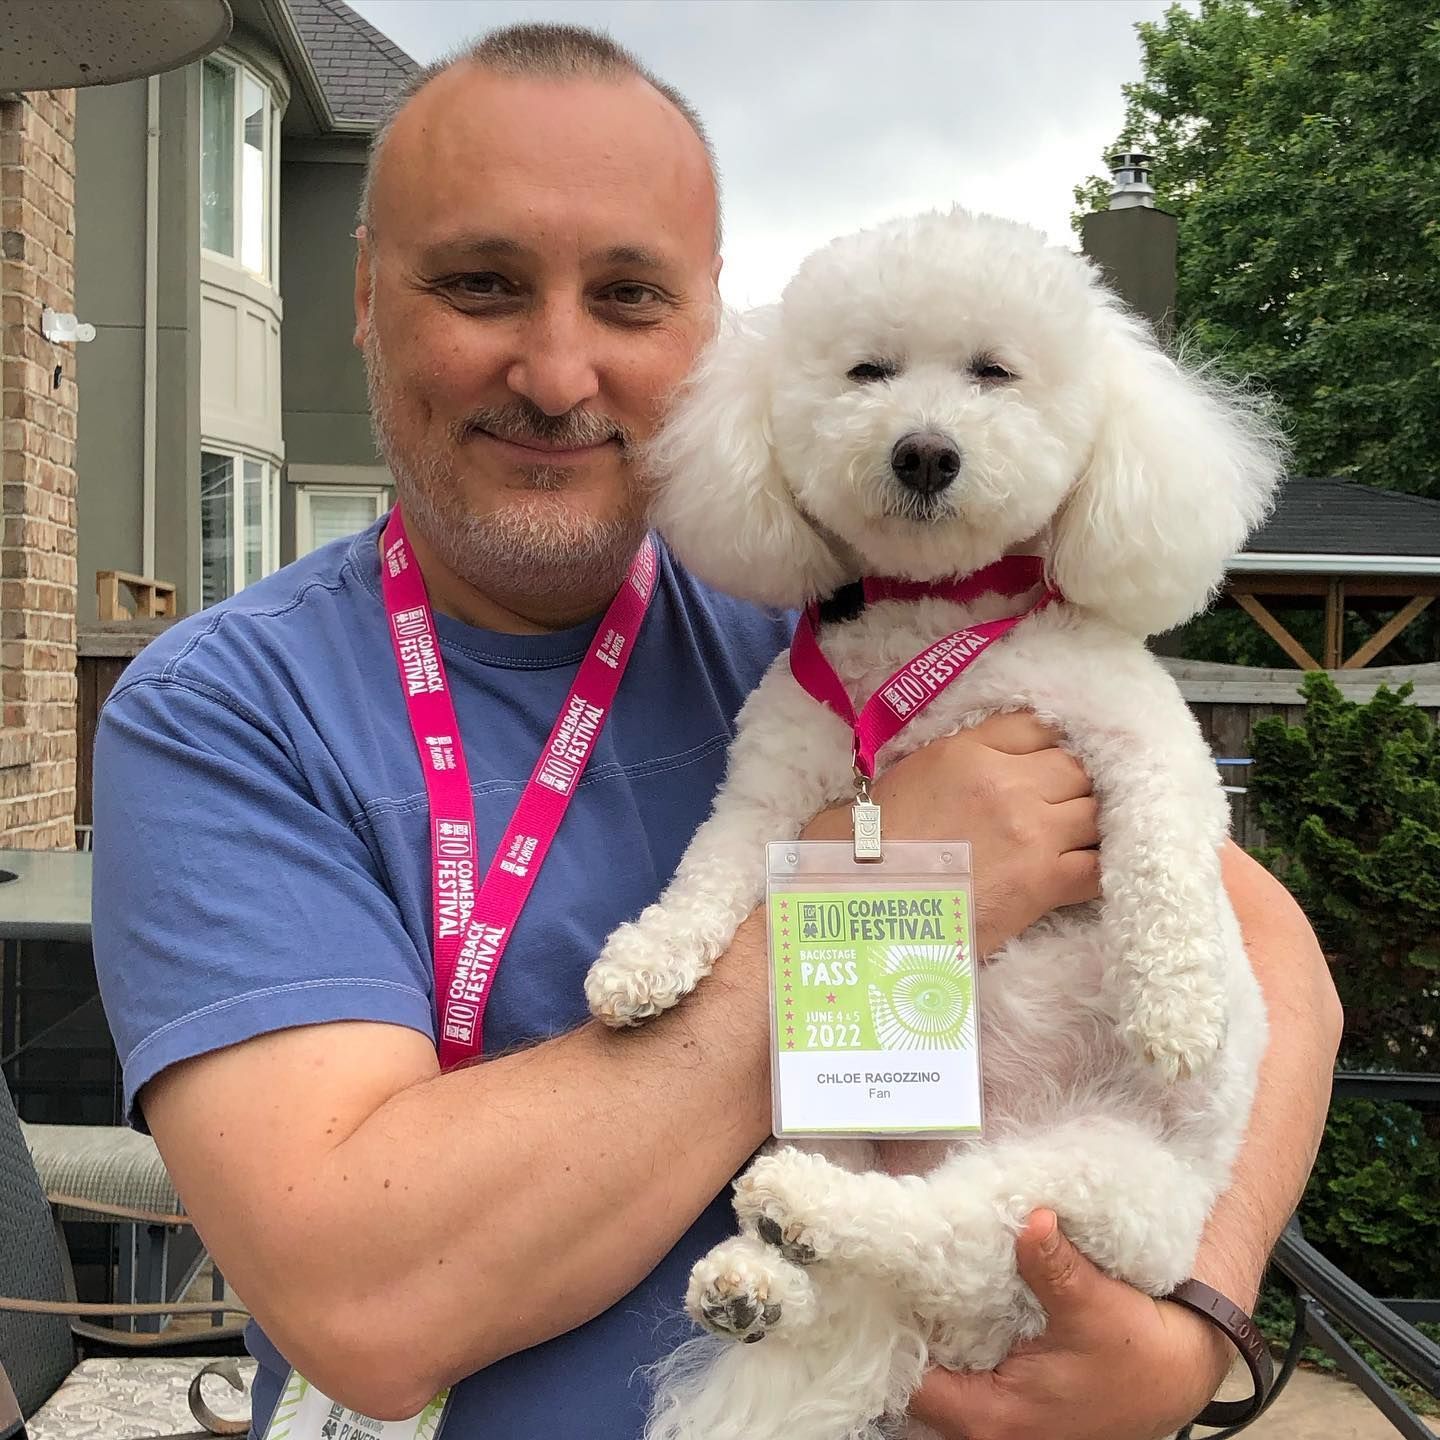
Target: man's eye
point(633, 294)
point(873, 370)
point(483, 285)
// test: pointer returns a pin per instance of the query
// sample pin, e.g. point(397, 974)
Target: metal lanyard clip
point(865, 816)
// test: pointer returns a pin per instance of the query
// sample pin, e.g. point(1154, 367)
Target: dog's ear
point(1184, 466)
point(721, 500)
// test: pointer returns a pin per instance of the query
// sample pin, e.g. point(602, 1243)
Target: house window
point(237, 171)
point(217, 158)
point(329, 512)
point(239, 522)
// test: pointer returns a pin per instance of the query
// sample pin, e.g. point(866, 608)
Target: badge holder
point(303, 1413)
point(873, 995)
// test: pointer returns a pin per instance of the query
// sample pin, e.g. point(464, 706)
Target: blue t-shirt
point(262, 861)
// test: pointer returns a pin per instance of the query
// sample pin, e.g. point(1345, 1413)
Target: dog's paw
point(742, 1291)
point(637, 976)
point(780, 1199)
point(1173, 1033)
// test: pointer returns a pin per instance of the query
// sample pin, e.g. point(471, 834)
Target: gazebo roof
point(1335, 526)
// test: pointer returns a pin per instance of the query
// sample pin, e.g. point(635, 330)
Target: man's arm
point(395, 1230)
point(1114, 1364)
point(1293, 1097)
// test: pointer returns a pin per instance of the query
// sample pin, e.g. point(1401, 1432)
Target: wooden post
point(1334, 624)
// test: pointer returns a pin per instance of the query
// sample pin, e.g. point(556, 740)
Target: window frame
point(269, 172)
point(304, 516)
point(271, 516)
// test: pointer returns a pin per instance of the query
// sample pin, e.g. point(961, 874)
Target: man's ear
point(363, 281)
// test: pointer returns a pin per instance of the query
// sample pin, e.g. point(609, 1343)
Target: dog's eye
point(873, 370)
point(991, 371)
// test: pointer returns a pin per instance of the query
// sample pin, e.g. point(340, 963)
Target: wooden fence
point(1226, 699)
point(103, 652)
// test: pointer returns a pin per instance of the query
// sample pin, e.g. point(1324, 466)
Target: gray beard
point(536, 544)
point(535, 547)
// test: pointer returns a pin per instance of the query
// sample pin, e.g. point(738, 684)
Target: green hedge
point(1350, 801)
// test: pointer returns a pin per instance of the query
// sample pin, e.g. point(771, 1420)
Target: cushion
point(108, 1163)
point(135, 1398)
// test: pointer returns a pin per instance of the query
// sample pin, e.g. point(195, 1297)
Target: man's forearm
point(470, 1215)
point(589, 1157)
point(1293, 1096)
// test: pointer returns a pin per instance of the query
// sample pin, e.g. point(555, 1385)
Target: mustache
point(525, 423)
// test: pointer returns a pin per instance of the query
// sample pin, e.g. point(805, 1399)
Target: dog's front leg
point(1162, 819)
point(789, 760)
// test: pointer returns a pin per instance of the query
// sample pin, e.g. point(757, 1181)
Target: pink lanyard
point(915, 684)
point(472, 929)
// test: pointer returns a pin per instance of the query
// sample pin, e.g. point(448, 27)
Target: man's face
point(540, 277)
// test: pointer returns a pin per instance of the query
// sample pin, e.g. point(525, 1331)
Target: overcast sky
point(832, 114)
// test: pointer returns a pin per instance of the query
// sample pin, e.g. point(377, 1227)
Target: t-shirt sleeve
point(227, 902)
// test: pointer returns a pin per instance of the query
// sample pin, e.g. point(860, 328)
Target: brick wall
point(37, 473)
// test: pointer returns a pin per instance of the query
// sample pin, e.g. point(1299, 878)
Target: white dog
point(1121, 1040)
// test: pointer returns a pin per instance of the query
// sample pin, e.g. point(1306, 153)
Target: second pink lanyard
point(915, 684)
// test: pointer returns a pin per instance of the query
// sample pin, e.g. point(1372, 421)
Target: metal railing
point(1326, 1299)
point(1230, 788)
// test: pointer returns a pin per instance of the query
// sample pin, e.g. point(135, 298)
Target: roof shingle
point(1341, 517)
point(359, 68)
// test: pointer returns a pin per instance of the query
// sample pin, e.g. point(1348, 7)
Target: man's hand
point(1024, 805)
point(1113, 1364)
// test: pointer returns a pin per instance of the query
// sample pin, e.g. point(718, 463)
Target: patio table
point(49, 898)
point(44, 896)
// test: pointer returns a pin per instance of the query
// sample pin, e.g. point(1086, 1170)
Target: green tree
point(1298, 143)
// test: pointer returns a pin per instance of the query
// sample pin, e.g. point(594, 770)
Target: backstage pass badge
point(874, 1023)
point(303, 1413)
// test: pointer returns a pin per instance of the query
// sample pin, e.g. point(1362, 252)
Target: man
point(536, 272)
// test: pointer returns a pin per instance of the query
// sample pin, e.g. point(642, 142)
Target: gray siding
point(110, 294)
point(327, 417)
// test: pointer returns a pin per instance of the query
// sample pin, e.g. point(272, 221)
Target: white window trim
point(270, 516)
point(269, 276)
point(304, 517)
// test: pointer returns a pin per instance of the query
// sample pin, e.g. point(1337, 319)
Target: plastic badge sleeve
point(873, 991)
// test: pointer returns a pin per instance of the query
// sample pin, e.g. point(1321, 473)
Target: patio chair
point(63, 1378)
point(110, 1172)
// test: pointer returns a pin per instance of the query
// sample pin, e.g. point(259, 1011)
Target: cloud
point(832, 114)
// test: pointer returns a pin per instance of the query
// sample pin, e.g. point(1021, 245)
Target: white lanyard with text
point(473, 927)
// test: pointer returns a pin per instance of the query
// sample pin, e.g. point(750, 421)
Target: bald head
point(539, 52)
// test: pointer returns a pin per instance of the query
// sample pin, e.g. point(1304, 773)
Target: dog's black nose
point(924, 463)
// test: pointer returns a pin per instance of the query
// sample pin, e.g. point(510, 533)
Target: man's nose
point(555, 368)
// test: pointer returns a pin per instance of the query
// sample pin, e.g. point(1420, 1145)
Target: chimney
point(1132, 187)
point(1134, 243)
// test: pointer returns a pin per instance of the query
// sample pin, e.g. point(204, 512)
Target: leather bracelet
point(1244, 1334)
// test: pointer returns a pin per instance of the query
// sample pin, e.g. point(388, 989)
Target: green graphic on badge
point(875, 1011)
point(922, 998)
point(873, 971)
